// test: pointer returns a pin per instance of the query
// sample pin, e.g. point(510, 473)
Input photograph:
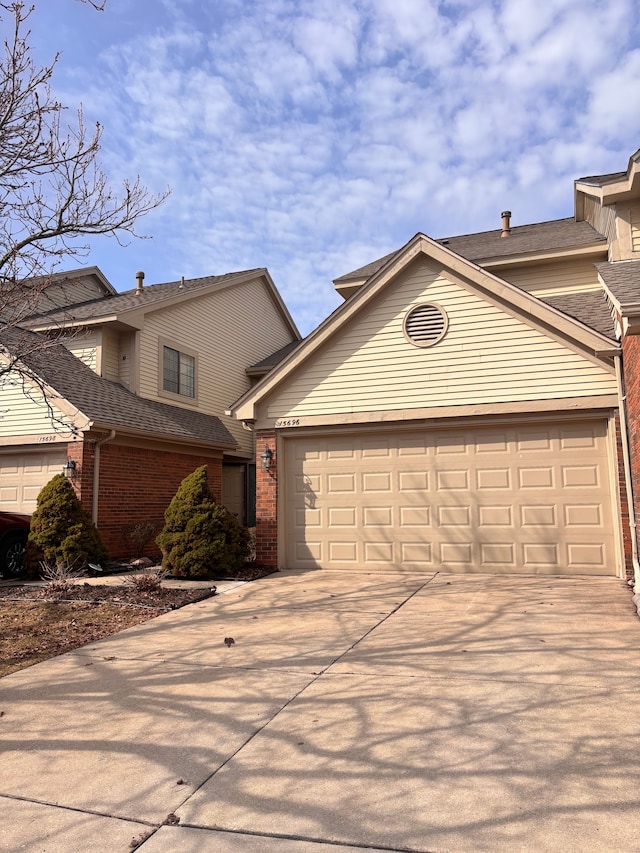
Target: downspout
point(624, 435)
point(96, 474)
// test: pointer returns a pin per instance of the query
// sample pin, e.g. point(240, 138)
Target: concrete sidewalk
point(413, 713)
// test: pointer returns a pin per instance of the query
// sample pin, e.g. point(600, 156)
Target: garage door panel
point(583, 515)
point(454, 516)
point(24, 473)
point(543, 515)
point(522, 499)
point(488, 479)
point(495, 516)
point(580, 476)
point(416, 553)
point(498, 554)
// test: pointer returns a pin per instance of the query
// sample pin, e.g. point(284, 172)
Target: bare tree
point(53, 191)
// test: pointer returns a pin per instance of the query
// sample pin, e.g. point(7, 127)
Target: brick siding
point(631, 364)
point(266, 502)
point(136, 485)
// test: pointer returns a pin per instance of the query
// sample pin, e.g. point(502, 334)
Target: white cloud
point(313, 139)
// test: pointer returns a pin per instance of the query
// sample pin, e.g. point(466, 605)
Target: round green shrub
point(201, 538)
point(62, 531)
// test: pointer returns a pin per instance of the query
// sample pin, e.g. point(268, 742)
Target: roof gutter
point(96, 475)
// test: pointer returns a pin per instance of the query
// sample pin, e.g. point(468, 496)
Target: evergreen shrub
point(201, 538)
point(62, 531)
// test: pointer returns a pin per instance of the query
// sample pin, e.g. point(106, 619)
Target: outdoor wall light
point(265, 457)
point(69, 469)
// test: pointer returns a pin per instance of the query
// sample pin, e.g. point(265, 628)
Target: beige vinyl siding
point(85, 347)
point(26, 414)
point(634, 216)
point(487, 356)
point(70, 292)
point(206, 325)
point(109, 359)
point(603, 219)
point(125, 355)
point(575, 276)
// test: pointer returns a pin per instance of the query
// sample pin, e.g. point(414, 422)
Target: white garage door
point(528, 499)
point(22, 475)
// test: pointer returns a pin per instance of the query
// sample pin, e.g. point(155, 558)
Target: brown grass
point(34, 630)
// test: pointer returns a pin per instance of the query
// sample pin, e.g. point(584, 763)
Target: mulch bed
point(37, 622)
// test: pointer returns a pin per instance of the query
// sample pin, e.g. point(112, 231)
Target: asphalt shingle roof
point(131, 299)
point(109, 403)
point(557, 234)
point(622, 279)
point(275, 358)
point(598, 180)
point(591, 309)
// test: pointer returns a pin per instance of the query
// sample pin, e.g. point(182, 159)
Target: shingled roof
point(591, 309)
point(108, 404)
point(622, 279)
point(264, 366)
point(600, 180)
point(523, 239)
point(131, 299)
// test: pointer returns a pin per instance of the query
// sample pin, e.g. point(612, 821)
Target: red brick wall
point(266, 502)
point(631, 367)
point(136, 485)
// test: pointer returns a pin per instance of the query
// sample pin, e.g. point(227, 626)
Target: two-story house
point(130, 394)
point(474, 405)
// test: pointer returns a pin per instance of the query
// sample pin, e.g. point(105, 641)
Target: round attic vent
point(425, 324)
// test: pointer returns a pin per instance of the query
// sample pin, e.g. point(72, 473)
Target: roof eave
point(595, 248)
point(74, 323)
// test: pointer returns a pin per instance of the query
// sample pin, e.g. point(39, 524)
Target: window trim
point(181, 350)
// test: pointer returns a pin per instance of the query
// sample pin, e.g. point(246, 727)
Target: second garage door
point(527, 499)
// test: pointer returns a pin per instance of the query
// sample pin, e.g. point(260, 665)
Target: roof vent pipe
point(139, 280)
point(506, 223)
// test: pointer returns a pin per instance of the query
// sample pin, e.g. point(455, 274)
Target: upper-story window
point(178, 372)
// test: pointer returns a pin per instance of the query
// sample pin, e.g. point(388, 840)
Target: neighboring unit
point(135, 399)
point(463, 410)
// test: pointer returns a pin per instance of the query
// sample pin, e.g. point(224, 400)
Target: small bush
point(201, 538)
point(145, 582)
point(59, 576)
point(61, 531)
point(137, 536)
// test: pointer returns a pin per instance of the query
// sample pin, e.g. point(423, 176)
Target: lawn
point(37, 623)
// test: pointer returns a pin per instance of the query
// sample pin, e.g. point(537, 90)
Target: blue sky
point(311, 138)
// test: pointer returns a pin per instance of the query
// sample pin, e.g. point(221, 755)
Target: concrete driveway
point(418, 713)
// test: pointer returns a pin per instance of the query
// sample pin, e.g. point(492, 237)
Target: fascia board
point(129, 320)
point(596, 248)
point(610, 296)
point(158, 436)
point(615, 190)
point(280, 305)
point(479, 278)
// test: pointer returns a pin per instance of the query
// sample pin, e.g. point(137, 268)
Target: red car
point(14, 529)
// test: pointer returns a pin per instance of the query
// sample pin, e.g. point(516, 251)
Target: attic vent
point(425, 325)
